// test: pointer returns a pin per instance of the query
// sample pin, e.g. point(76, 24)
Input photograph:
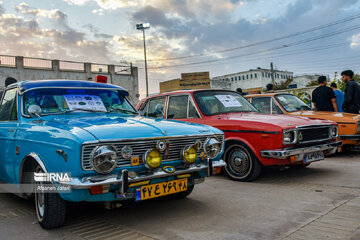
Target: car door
point(182, 108)
point(8, 128)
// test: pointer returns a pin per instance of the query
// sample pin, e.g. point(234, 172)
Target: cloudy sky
point(219, 36)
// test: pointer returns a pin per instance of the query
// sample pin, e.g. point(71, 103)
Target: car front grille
point(313, 134)
point(139, 147)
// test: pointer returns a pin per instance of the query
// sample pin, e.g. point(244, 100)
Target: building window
point(235, 78)
point(251, 76)
point(232, 79)
point(255, 75)
point(247, 76)
point(243, 77)
point(262, 74)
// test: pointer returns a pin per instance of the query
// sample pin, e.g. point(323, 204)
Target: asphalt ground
point(321, 201)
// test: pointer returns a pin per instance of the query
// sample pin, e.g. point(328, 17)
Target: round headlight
point(103, 159)
point(189, 154)
point(152, 158)
point(289, 137)
point(212, 147)
point(334, 132)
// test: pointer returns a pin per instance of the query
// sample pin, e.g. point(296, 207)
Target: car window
point(177, 107)
point(151, 112)
point(7, 107)
point(181, 107)
point(291, 103)
point(220, 102)
point(275, 109)
point(55, 101)
point(192, 110)
point(262, 104)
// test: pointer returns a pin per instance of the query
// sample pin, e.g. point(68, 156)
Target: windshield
point(291, 103)
point(58, 100)
point(217, 102)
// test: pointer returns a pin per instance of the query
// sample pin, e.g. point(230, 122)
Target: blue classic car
point(83, 141)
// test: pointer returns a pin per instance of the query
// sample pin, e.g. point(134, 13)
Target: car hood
point(333, 116)
point(283, 121)
point(116, 127)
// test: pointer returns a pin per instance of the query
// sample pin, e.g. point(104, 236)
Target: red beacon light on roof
point(101, 79)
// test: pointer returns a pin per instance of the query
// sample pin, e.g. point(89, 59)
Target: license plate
point(161, 189)
point(313, 157)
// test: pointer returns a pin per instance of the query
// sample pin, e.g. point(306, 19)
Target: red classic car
point(252, 139)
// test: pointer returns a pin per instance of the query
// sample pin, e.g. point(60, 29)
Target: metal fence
point(47, 64)
point(123, 69)
point(37, 63)
point(101, 68)
point(7, 61)
point(71, 66)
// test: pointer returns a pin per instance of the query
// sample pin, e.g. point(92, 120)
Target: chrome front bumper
point(124, 179)
point(349, 137)
point(330, 148)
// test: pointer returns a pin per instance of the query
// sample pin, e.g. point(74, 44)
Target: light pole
point(143, 26)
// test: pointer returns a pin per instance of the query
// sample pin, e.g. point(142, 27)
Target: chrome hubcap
point(239, 161)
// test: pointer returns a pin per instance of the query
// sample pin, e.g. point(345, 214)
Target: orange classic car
point(285, 103)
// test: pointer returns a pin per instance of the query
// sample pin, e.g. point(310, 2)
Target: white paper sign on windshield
point(83, 101)
point(228, 100)
point(282, 99)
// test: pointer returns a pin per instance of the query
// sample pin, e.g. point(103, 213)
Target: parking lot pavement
point(321, 201)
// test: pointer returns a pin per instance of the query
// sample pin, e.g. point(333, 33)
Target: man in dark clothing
point(352, 93)
point(323, 97)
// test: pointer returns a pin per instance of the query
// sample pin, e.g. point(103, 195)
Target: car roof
point(188, 91)
point(266, 94)
point(62, 83)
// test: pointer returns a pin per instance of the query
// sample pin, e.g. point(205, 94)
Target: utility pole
point(142, 27)
point(272, 73)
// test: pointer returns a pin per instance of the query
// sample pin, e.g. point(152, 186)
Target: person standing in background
point(323, 97)
point(269, 88)
point(339, 95)
point(352, 93)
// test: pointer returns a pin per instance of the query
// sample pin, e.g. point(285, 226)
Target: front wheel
point(241, 163)
point(50, 207)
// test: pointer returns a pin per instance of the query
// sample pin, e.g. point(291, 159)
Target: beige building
point(195, 80)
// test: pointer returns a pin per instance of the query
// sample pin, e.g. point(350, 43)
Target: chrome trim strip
point(87, 182)
point(150, 138)
point(116, 89)
point(285, 153)
point(36, 158)
point(349, 137)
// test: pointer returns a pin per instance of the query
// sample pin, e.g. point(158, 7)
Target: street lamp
point(143, 26)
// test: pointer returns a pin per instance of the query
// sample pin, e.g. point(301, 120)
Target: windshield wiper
point(82, 109)
point(112, 109)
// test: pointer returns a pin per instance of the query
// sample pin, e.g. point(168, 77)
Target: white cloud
point(355, 40)
point(98, 11)
point(76, 2)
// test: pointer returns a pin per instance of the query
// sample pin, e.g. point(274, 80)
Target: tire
point(241, 163)
point(182, 195)
point(50, 207)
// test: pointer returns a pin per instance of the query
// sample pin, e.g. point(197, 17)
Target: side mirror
point(34, 110)
point(159, 109)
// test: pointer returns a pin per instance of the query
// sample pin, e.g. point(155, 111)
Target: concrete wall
point(50, 69)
